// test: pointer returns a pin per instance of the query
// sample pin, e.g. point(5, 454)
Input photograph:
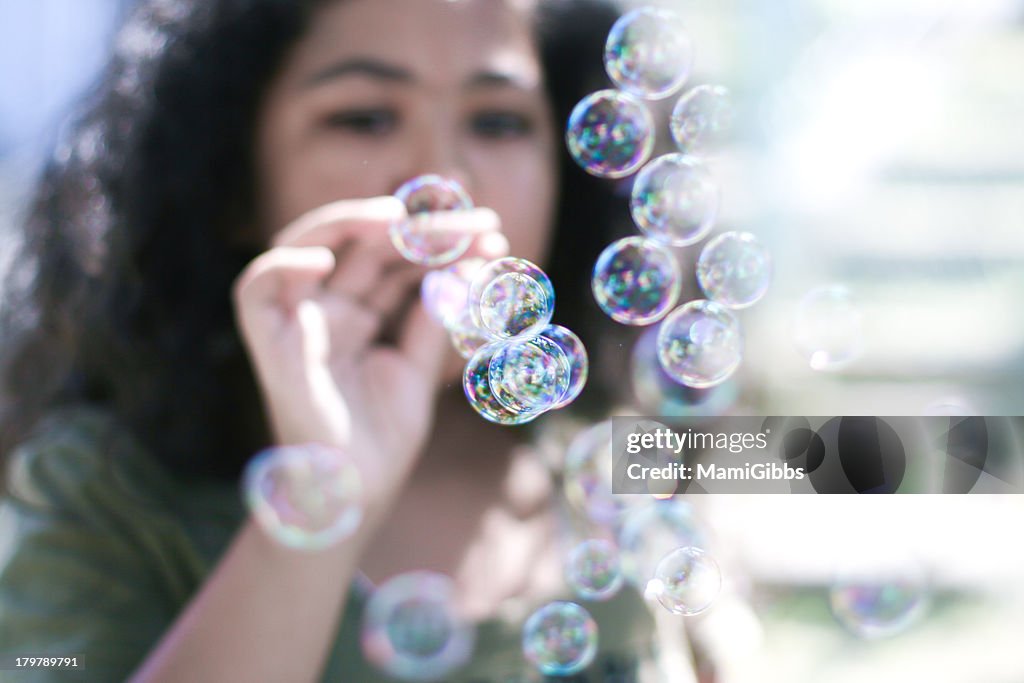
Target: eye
point(500, 125)
point(363, 121)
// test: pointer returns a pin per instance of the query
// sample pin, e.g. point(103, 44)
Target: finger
point(351, 326)
point(474, 222)
point(489, 246)
point(360, 268)
point(283, 276)
point(332, 224)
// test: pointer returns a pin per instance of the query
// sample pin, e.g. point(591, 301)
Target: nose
point(437, 148)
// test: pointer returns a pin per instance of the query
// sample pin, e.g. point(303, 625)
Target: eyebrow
point(380, 70)
point(361, 66)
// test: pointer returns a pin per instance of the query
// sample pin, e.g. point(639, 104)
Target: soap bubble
point(466, 337)
point(445, 292)
point(657, 393)
point(648, 53)
point(579, 365)
point(829, 328)
point(593, 569)
point(427, 236)
point(610, 134)
point(675, 200)
point(560, 639)
point(734, 269)
point(651, 531)
point(700, 344)
point(687, 581)
point(636, 281)
point(510, 298)
point(529, 375)
point(304, 496)
point(876, 609)
point(701, 117)
point(880, 589)
point(588, 475)
point(476, 383)
point(411, 629)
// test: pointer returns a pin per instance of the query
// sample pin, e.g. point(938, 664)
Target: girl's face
point(380, 91)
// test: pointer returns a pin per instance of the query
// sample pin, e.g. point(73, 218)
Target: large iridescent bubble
point(529, 375)
point(701, 118)
point(511, 298)
point(700, 344)
point(610, 134)
point(560, 639)
point(304, 496)
point(648, 53)
point(412, 630)
point(476, 383)
point(636, 281)
point(593, 569)
point(687, 581)
point(734, 269)
point(829, 328)
point(429, 235)
point(579, 365)
point(675, 200)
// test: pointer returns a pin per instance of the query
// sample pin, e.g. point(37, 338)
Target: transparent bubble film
point(675, 200)
point(648, 53)
point(829, 327)
point(445, 292)
point(734, 269)
point(610, 134)
point(511, 298)
point(476, 383)
point(651, 531)
point(430, 233)
point(560, 639)
point(701, 118)
point(636, 281)
point(411, 629)
point(593, 569)
point(576, 353)
point(588, 475)
point(700, 344)
point(687, 581)
point(529, 375)
point(306, 497)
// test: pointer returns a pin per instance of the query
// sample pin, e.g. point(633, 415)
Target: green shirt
point(107, 548)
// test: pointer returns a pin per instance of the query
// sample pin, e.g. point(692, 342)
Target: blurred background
point(879, 148)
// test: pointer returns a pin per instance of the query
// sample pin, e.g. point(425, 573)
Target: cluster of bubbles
point(674, 201)
point(649, 534)
point(306, 497)
point(498, 313)
point(412, 629)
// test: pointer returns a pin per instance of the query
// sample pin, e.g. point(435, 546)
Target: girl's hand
point(343, 350)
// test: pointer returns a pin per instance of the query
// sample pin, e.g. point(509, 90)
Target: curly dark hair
point(146, 187)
